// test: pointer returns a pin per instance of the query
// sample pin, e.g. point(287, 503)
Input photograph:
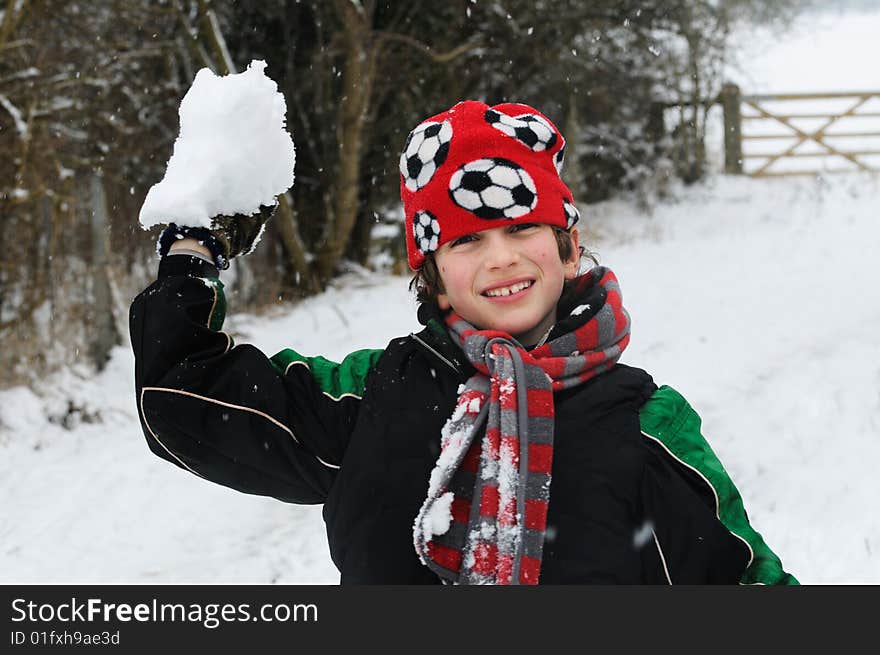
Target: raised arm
point(229, 413)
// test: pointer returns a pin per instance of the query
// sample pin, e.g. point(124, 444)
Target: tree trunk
point(571, 171)
point(46, 253)
point(697, 163)
point(353, 108)
point(104, 335)
point(297, 256)
point(359, 243)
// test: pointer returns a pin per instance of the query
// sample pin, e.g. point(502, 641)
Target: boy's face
point(506, 278)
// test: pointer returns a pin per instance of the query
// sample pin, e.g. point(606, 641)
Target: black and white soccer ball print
point(559, 158)
point(572, 215)
point(426, 231)
point(493, 188)
point(530, 129)
point(426, 148)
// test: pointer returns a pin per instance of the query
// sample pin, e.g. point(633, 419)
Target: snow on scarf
point(485, 515)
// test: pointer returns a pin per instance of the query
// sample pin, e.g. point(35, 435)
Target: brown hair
point(427, 285)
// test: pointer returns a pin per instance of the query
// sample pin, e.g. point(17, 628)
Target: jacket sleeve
point(669, 420)
point(276, 427)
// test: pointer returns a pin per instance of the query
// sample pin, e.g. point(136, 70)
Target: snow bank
point(233, 152)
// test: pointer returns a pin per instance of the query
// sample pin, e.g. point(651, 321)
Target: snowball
point(232, 155)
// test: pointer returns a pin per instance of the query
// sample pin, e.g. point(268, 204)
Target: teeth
point(506, 291)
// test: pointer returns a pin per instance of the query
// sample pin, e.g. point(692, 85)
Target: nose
point(501, 251)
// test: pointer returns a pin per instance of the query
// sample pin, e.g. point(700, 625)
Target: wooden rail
point(733, 103)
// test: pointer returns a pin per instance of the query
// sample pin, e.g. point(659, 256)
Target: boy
point(502, 444)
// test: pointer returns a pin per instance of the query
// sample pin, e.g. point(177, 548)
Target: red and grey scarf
point(485, 515)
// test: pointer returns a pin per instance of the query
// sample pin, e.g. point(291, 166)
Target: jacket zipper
point(436, 353)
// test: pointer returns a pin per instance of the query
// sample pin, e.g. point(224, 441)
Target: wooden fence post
point(655, 129)
point(730, 101)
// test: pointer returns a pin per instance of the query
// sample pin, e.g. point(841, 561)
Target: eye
point(523, 226)
point(467, 238)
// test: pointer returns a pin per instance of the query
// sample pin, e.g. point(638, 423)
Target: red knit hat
point(472, 166)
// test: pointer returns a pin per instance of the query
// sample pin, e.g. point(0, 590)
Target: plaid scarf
point(485, 515)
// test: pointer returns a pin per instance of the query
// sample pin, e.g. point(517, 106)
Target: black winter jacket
point(362, 436)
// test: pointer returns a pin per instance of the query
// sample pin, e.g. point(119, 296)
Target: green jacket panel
point(668, 418)
point(347, 377)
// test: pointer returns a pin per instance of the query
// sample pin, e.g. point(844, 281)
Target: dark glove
point(228, 236)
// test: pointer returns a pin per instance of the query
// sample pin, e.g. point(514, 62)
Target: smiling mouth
point(508, 290)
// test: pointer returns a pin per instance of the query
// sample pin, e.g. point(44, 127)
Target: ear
point(574, 262)
point(443, 301)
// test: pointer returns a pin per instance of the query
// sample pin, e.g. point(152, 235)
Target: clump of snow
point(508, 484)
point(507, 387)
point(439, 517)
point(489, 468)
point(213, 283)
point(643, 534)
point(232, 155)
point(454, 440)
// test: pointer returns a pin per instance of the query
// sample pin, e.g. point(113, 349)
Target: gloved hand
point(228, 236)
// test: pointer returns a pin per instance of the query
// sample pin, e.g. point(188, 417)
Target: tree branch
point(439, 57)
point(192, 39)
point(211, 29)
point(20, 43)
point(20, 125)
point(10, 19)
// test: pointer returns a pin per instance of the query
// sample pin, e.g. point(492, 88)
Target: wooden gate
point(741, 111)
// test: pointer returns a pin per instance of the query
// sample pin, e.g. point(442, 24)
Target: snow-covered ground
point(757, 299)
